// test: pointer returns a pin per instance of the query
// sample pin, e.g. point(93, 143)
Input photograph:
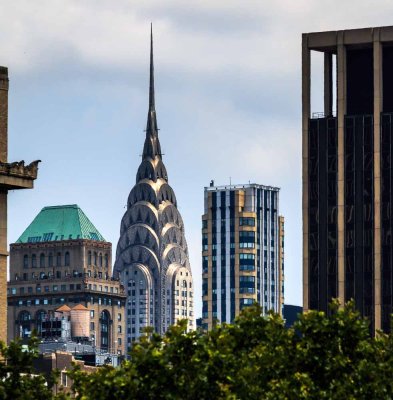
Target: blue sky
point(227, 99)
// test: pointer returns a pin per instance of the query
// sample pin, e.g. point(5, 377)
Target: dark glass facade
point(386, 219)
point(322, 211)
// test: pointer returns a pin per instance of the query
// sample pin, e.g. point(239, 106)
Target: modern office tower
point(242, 251)
point(62, 264)
point(347, 174)
point(152, 254)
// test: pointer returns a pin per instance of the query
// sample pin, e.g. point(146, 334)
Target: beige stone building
point(62, 259)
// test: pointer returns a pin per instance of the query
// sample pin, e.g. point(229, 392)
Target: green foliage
point(255, 358)
point(17, 377)
point(321, 357)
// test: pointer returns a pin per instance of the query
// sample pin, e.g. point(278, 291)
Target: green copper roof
point(60, 223)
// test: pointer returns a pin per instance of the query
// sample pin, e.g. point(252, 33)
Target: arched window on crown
point(34, 261)
point(67, 259)
point(25, 261)
point(100, 260)
point(106, 261)
point(95, 258)
point(42, 260)
point(50, 260)
point(58, 260)
point(89, 258)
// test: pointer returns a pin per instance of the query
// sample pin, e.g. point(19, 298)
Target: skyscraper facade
point(347, 173)
point(242, 251)
point(152, 255)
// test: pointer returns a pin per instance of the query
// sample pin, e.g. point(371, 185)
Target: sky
point(228, 101)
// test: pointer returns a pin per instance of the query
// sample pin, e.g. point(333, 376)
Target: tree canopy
point(256, 357)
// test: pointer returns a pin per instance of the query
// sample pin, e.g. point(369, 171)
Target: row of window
point(62, 300)
point(184, 284)
point(42, 260)
point(58, 274)
point(92, 259)
point(63, 288)
point(95, 258)
point(243, 221)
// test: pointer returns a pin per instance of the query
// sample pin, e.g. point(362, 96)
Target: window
point(25, 261)
point(58, 274)
point(63, 288)
point(104, 322)
point(13, 290)
point(64, 378)
point(95, 258)
point(119, 341)
point(91, 313)
point(246, 284)
point(246, 239)
point(67, 259)
point(34, 261)
point(246, 303)
point(92, 326)
point(100, 260)
point(89, 258)
point(58, 260)
point(204, 241)
point(243, 221)
point(106, 261)
point(50, 260)
point(55, 288)
point(119, 329)
point(42, 260)
point(119, 316)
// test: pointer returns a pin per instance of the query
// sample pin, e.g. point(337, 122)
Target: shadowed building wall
point(347, 174)
point(12, 176)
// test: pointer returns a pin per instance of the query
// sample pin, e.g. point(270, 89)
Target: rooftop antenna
point(230, 181)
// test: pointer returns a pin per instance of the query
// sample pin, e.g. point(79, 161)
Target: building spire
point(152, 146)
point(151, 86)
